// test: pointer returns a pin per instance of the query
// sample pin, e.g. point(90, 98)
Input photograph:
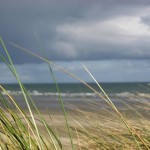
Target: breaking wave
point(68, 94)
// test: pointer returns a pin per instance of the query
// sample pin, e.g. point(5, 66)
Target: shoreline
point(45, 103)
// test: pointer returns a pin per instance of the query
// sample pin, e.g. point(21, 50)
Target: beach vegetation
point(74, 129)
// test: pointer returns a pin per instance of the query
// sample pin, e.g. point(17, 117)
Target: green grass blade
point(20, 84)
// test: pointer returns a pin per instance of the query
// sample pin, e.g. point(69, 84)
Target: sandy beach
point(90, 118)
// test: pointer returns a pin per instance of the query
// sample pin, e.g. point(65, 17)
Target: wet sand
point(47, 104)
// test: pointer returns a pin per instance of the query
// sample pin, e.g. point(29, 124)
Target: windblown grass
point(110, 128)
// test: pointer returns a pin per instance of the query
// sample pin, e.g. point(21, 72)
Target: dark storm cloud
point(75, 30)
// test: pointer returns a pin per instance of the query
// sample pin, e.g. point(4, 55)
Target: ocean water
point(45, 96)
point(80, 90)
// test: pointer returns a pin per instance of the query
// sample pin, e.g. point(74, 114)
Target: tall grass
point(105, 129)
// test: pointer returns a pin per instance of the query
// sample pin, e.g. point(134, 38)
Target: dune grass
point(109, 128)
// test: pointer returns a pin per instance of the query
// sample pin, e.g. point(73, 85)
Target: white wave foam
point(37, 93)
point(123, 94)
point(144, 95)
point(72, 95)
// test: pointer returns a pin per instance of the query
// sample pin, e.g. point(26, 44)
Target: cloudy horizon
point(110, 37)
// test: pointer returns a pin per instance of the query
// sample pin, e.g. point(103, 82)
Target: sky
point(110, 37)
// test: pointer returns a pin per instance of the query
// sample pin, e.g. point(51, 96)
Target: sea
point(80, 90)
point(46, 95)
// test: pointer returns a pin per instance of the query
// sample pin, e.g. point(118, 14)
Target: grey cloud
point(102, 49)
point(146, 20)
point(21, 19)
